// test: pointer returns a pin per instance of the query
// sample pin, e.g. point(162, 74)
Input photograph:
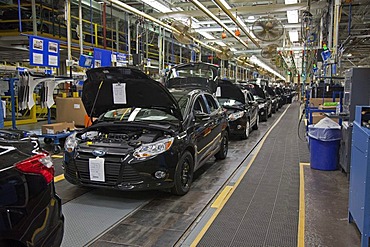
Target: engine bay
point(133, 138)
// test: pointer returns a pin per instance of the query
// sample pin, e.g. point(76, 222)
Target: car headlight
point(71, 143)
point(155, 148)
point(236, 115)
point(260, 106)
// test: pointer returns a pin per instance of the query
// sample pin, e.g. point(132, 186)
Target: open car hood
point(107, 87)
point(192, 83)
point(230, 91)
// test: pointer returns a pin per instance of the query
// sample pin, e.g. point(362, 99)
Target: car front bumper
point(128, 174)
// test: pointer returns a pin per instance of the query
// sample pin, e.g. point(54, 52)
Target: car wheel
point(224, 147)
point(264, 117)
point(245, 134)
point(255, 126)
point(183, 174)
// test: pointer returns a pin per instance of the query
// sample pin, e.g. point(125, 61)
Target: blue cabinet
point(359, 194)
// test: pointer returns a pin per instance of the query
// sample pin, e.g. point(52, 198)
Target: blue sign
point(44, 52)
point(325, 55)
point(102, 58)
point(85, 61)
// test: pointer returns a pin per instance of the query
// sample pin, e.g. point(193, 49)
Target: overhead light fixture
point(206, 35)
point(292, 16)
point(258, 62)
point(157, 5)
point(251, 18)
point(291, 1)
point(293, 36)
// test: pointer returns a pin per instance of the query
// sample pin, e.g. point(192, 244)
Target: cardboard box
point(316, 102)
point(317, 116)
point(55, 128)
point(70, 110)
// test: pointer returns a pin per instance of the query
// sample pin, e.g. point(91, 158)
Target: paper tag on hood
point(119, 93)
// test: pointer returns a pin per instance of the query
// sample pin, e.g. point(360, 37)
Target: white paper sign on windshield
point(119, 93)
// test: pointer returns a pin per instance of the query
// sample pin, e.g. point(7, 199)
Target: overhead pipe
point(236, 21)
point(132, 10)
point(219, 22)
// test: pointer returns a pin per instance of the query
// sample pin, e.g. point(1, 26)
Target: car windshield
point(229, 102)
point(194, 70)
point(134, 114)
point(258, 93)
point(182, 101)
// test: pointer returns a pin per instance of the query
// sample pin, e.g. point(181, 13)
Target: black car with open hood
point(242, 112)
point(195, 75)
point(144, 136)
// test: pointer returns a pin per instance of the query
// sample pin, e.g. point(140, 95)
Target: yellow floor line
point(302, 207)
point(58, 178)
point(218, 202)
point(57, 156)
point(231, 191)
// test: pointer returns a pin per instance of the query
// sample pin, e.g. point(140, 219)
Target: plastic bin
point(324, 139)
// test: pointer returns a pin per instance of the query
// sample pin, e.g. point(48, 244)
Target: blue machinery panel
point(359, 195)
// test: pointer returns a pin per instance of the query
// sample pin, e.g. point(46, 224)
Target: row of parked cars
point(144, 136)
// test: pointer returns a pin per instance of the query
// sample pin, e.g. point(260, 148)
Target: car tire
point(273, 109)
point(264, 117)
point(183, 174)
point(246, 133)
point(224, 147)
point(255, 126)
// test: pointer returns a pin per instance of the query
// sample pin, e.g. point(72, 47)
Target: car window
point(213, 106)
point(199, 105)
point(250, 97)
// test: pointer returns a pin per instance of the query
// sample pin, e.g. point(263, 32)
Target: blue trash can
point(324, 139)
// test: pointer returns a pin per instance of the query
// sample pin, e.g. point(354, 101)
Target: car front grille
point(112, 167)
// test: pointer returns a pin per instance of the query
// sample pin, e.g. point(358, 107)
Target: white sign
point(119, 93)
point(96, 168)
point(218, 92)
point(53, 60)
point(76, 106)
point(38, 58)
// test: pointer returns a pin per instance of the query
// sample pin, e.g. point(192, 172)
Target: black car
point(274, 98)
point(30, 211)
point(197, 75)
point(264, 102)
point(282, 97)
point(241, 110)
point(145, 137)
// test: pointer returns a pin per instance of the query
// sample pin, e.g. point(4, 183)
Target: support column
point(34, 17)
point(117, 35)
point(80, 27)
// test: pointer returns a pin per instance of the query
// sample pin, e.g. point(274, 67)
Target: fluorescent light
point(220, 43)
point(258, 62)
point(292, 16)
point(293, 36)
point(251, 18)
point(206, 35)
point(233, 49)
point(290, 1)
point(157, 5)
